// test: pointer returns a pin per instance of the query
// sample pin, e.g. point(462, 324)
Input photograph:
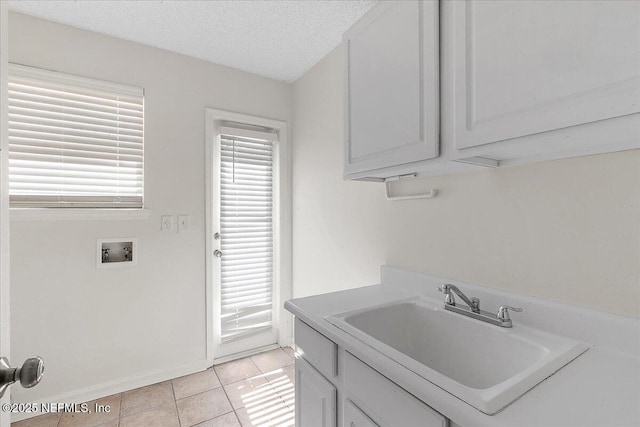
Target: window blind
point(73, 141)
point(246, 236)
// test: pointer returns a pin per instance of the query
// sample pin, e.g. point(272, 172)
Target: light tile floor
point(256, 391)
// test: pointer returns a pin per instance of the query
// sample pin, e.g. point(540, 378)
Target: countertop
point(599, 388)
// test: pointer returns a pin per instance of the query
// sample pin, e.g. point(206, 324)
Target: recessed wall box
point(117, 252)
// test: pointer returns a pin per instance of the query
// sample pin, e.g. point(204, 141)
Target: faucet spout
point(473, 303)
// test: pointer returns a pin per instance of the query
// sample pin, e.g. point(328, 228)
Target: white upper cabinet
point(391, 87)
point(536, 79)
point(521, 81)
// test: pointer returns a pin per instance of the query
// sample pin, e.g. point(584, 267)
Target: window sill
point(76, 214)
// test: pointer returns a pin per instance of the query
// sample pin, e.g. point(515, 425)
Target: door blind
point(73, 141)
point(246, 236)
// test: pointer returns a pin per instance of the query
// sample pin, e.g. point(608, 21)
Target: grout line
point(159, 405)
point(284, 402)
point(209, 419)
point(175, 402)
point(173, 392)
point(120, 411)
point(217, 376)
point(217, 416)
point(254, 364)
point(235, 414)
point(228, 400)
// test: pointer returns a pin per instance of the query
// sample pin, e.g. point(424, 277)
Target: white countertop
point(599, 388)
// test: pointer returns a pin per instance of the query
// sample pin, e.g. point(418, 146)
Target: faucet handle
point(503, 312)
point(448, 296)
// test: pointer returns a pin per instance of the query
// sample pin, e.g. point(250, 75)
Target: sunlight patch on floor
point(271, 404)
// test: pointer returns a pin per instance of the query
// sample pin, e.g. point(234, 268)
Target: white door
point(30, 372)
point(4, 211)
point(244, 253)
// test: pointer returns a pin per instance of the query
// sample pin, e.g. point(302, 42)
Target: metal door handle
point(217, 253)
point(29, 374)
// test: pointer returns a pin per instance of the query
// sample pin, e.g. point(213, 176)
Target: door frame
point(282, 223)
point(4, 202)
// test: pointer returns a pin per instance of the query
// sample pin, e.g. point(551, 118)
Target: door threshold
point(243, 354)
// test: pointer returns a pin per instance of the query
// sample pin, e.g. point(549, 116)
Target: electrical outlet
point(166, 223)
point(183, 223)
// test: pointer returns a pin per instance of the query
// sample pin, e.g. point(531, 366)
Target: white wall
point(92, 326)
point(567, 230)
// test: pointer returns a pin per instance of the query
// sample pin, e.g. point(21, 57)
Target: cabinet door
point(354, 417)
point(391, 86)
point(315, 398)
point(525, 67)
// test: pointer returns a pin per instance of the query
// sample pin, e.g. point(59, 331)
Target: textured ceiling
point(277, 39)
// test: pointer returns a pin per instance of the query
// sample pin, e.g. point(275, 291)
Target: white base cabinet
point(315, 398)
point(354, 417)
point(354, 395)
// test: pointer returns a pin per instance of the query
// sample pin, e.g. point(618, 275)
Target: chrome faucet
point(473, 302)
point(500, 319)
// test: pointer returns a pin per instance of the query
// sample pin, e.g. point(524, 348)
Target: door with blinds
point(244, 243)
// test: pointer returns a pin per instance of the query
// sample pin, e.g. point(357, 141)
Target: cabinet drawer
point(317, 349)
point(385, 402)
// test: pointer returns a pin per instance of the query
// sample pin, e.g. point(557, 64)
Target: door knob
point(29, 374)
point(217, 253)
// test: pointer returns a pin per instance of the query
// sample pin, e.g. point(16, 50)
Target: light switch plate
point(166, 223)
point(184, 223)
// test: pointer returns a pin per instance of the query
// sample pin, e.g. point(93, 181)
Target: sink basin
point(484, 365)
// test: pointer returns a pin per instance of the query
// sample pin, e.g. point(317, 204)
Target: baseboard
point(118, 386)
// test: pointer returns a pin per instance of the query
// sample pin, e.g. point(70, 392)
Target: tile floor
point(257, 391)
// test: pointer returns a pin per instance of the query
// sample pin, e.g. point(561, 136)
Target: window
point(73, 141)
point(246, 234)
